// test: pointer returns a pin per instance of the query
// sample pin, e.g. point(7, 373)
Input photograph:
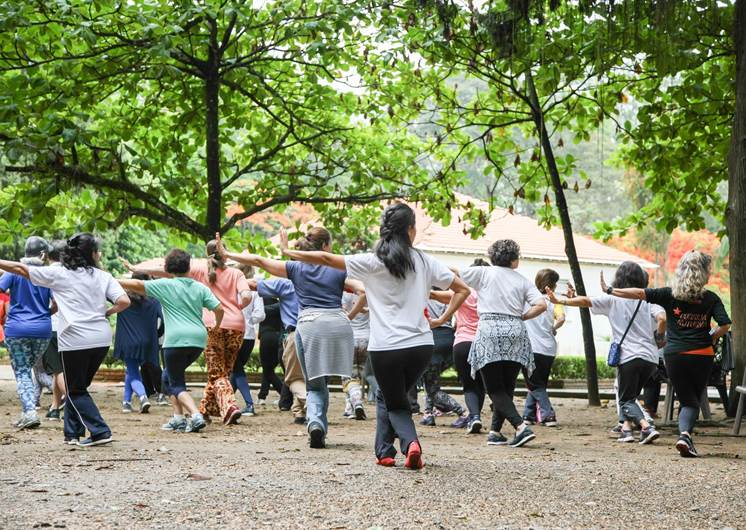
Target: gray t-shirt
point(397, 305)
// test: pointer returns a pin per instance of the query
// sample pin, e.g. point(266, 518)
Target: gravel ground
point(262, 473)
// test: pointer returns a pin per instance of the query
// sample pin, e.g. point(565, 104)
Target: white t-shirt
point(361, 323)
point(640, 341)
point(541, 331)
point(81, 297)
point(501, 290)
point(253, 314)
point(397, 306)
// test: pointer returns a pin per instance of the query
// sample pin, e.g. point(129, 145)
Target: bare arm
point(152, 272)
point(133, 286)
point(632, 293)
point(559, 322)
point(122, 303)
point(14, 267)
point(219, 312)
point(246, 298)
point(357, 307)
point(577, 301)
point(460, 293)
point(316, 257)
point(53, 308)
point(535, 310)
point(660, 320)
point(444, 297)
point(273, 266)
point(355, 286)
point(719, 332)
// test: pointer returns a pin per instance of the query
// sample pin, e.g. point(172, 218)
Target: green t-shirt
point(182, 300)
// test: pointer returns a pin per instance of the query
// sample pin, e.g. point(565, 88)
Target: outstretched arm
point(460, 294)
point(316, 257)
point(576, 301)
point(14, 267)
point(152, 271)
point(133, 286)
point(633, 293)
point(444, 297)
point(273, 266)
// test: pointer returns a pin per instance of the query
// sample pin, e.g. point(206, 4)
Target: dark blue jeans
point(238, 375)
point(81, 412)
point(177, 360)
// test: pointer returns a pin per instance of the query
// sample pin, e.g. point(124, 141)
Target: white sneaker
point(261, 402)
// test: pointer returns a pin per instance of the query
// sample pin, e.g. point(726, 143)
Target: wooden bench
point(668, 405)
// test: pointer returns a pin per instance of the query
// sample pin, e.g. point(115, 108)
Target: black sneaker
point(98, 440)
point(53, 415)
point(299, 420)
point(316, 436)
point(474, 426)
point(525, 436)
point(144, 406)
point(685, 446)
point(360, 413)
point(496, 438)
point(649, 435)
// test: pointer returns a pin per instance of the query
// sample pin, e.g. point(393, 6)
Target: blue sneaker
point(428, 420)
point(248, 410)
point(196, 423)
point(496, 438)
point(175, 425)
point(461, 423)
point(525, 436)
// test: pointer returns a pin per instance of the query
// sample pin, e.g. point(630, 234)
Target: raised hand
point(284, 241)
point(127, 264)
point(604, 287)
point(219, 247)
point(570, 293)
point(552, 297)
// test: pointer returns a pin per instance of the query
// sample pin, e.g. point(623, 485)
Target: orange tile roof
point(536, 242)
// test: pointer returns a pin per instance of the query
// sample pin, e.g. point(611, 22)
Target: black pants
point(177, 360)
point(499, 380)
point(396, 372)
point(689, 375)
point(651, 392)
point(632, 377)
point(473, 388)
point(269, 355)
point(81, 412)
point(151, 378)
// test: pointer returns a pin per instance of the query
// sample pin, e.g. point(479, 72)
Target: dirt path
point(262, 474)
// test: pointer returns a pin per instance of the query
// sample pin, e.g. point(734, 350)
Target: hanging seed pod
point(576, 188)
point(547, 201)
point(561, 143)
point(565, 185)
point(510, 209)
point(587, 183)
point(517, 161)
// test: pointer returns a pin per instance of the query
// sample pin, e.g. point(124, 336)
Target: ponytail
point(394, 248)
point(214, 261)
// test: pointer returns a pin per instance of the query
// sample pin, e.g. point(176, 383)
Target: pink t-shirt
point(229, 283)
point(467, 320)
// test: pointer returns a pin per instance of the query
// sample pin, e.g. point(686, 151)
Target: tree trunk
point(572, 255)
point(736, 213)
point(215, 212)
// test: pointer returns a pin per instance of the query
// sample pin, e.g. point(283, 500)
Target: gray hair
point(503, 252)
point(692, 274)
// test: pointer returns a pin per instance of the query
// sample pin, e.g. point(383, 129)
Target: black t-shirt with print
point(688, 322)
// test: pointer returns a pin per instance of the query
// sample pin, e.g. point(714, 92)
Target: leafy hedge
point(573, 367)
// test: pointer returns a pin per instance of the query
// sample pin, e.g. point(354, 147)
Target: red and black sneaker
point(414, 456)
point(232, 416)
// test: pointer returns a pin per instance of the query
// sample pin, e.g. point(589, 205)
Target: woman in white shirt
point(501, 347)
point(82, 292)
point(635, 322)
point(253, 314)
point(397, 280)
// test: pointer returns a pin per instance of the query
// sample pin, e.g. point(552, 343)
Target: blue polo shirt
point(29, 315)
point(284, 291)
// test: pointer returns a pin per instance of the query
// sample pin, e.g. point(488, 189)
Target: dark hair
point(503, 252)
point(177, 261)
point(58, 246)
point(79, 252)
point(479, 262)
point(138, 298)
point(394, 248)
point(247, 270)
point(630, 274)
point(546, 278)
point(317, 237)
point(214, 261)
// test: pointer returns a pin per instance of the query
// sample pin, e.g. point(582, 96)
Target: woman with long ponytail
point(397, 280)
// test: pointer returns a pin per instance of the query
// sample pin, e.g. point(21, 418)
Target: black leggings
point(689, 375)
point(499, 379)
point(396, 372)
point(473, 389)
point(269, 356)
point(632, 377)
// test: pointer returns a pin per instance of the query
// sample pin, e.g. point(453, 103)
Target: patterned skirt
point(500, 338)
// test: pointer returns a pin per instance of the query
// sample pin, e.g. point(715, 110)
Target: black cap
point(35, 246)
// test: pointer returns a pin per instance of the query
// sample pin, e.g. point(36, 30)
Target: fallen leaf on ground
point(196, 476)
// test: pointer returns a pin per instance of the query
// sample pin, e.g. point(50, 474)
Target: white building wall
point(570, 336)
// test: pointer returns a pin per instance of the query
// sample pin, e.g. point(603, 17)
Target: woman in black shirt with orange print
point(689, 351)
